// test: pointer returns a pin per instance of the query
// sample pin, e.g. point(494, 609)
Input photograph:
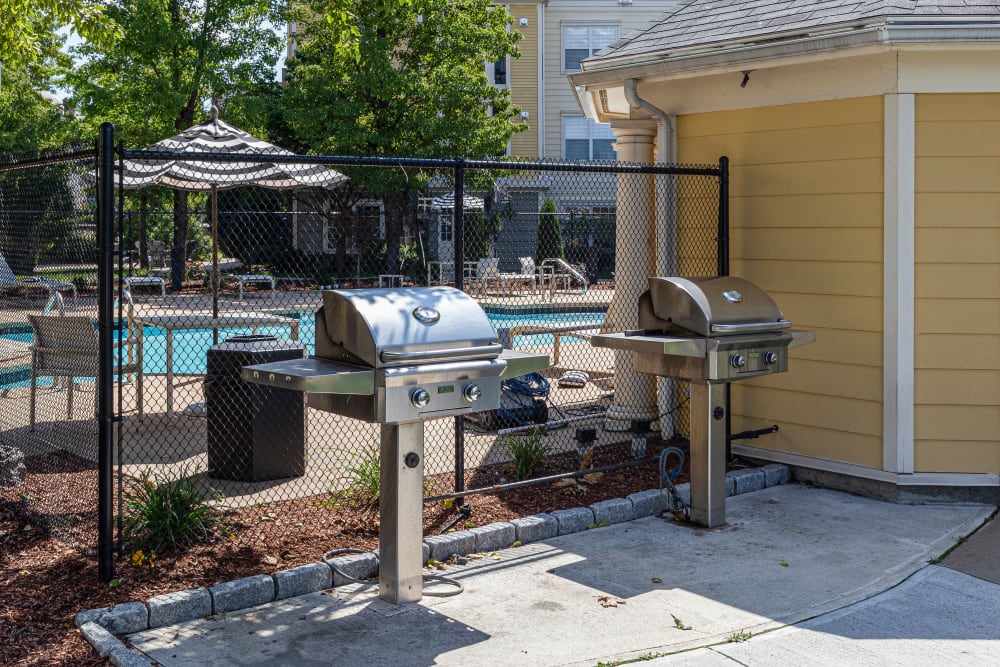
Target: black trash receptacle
point(255, 433)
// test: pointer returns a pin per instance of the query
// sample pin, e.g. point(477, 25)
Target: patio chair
point(66, 347)
point(487, 269)
point(10, 283)
point(527, 276)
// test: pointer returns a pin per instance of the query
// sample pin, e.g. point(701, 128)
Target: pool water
point(190, 345)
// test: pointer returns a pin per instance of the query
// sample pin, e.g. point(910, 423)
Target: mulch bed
point(45, 581)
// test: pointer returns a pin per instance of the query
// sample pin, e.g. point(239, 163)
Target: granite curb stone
point(442, 546)
point(102, 640)
point(120, 619)
point(535, 528)
point(178, 607)
point(359, 566)
point(123, 657)
point(776, 474)
point(494, 536)
point(302, 580)
point(648, 503)
point(748, 480)
point(574, 520)
point(242, 593)
point(613, 510)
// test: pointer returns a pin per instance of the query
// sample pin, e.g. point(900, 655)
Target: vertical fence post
point(458, 231)
point(723, 235)
point(105, 322)
point(723, 270)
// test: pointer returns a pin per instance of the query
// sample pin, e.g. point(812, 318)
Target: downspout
point(666, 228)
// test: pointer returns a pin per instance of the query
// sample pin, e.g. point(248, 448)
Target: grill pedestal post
point(708, 453)
point(401, 510)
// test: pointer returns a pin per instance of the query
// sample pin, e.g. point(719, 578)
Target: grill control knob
point(737, 360)
point(770, 358)
point(420, 398)
point(472, 392)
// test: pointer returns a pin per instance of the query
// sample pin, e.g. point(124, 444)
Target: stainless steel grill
point(399, 357)
point(711, 331)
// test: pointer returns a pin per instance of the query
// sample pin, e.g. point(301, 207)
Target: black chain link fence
point(212, 279)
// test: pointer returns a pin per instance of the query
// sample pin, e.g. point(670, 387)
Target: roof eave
point(885, 34)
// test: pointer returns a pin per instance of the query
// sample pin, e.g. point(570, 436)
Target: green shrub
point(169, 515)
point(362, 481)
point(528, 452)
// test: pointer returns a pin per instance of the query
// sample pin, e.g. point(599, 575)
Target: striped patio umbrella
point(197, 175)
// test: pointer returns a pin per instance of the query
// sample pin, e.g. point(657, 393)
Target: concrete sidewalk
point(646, 587)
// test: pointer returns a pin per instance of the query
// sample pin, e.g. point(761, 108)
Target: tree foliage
point(550, 241)
point(174, 57)
point(27, 25)
point(400, 79)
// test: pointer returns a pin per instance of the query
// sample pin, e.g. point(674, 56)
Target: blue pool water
point(190, 345)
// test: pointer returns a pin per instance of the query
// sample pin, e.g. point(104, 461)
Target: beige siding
point(957, 282)
point(522, 78)
point(559, 97)
point(806, 225)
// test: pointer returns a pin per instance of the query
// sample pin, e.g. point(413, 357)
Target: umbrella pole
point(215, 261)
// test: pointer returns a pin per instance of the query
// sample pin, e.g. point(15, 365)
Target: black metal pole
point(723, 259)
point(458, 231)
point(105, 324)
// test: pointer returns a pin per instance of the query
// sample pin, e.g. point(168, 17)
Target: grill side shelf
point(657, 345)
point(314, 376)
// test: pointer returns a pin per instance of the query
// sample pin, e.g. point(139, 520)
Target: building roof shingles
point(705, 22)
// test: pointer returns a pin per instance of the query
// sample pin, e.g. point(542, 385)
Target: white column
point(635, 252)
point(898, 289)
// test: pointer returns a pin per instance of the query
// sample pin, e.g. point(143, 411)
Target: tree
point(417, 87)
point(28, 24)
point(175, 57)
point(550, 243)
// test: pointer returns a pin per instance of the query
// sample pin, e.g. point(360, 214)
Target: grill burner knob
point(420, 398)
point(770, 358)
point(737, 361)
point(472, 393)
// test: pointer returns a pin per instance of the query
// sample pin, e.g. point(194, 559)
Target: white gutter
point(779, 46)
point(665, 216)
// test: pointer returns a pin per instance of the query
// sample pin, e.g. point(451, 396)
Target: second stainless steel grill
point(711, 331)
point(399, 357)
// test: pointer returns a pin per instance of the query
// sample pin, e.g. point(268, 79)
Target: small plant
point(362, 481)
point(169, 515)
point(528, 452)
point(740, 636)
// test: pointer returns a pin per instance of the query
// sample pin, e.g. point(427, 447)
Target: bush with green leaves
point(170, 514)
point(528, 451)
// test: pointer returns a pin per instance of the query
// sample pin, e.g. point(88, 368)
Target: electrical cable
point(329, 555)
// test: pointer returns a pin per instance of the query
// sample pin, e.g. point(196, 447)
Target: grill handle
point(750, 327)
point(442, 354)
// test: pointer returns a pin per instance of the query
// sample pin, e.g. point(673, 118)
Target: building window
point(583, 41)
point(583, 139)
point(500, 72)
point(368, 221)
point(446, 226)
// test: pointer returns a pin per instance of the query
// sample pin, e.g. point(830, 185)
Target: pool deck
point(176, 446)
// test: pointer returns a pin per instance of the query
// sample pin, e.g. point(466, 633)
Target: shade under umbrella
point(196, 175)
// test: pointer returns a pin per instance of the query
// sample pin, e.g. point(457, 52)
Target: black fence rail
point(552, 251)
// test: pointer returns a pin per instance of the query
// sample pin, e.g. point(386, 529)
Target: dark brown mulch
point(44, 582)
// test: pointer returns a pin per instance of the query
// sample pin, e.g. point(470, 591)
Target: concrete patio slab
point(628, 590)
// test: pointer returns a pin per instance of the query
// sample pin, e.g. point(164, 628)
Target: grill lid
point(715, 306)
point(400, 327)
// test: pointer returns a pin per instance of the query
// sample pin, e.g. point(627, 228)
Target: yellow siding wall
point(522, 77)
point(806, 225)
point(957, 282)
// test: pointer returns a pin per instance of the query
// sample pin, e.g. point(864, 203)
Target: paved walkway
point(653, 587)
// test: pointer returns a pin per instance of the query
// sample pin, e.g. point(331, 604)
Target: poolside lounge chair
point(527, 276)
point(10, 283)
point(66, 347)
point(487, 270)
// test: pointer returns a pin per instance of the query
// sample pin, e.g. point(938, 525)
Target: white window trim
point(590, 138)
point(581, 24)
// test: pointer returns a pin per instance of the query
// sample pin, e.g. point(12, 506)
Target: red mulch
point(44, 582)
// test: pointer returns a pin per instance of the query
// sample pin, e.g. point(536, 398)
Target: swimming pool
point(190, 345)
